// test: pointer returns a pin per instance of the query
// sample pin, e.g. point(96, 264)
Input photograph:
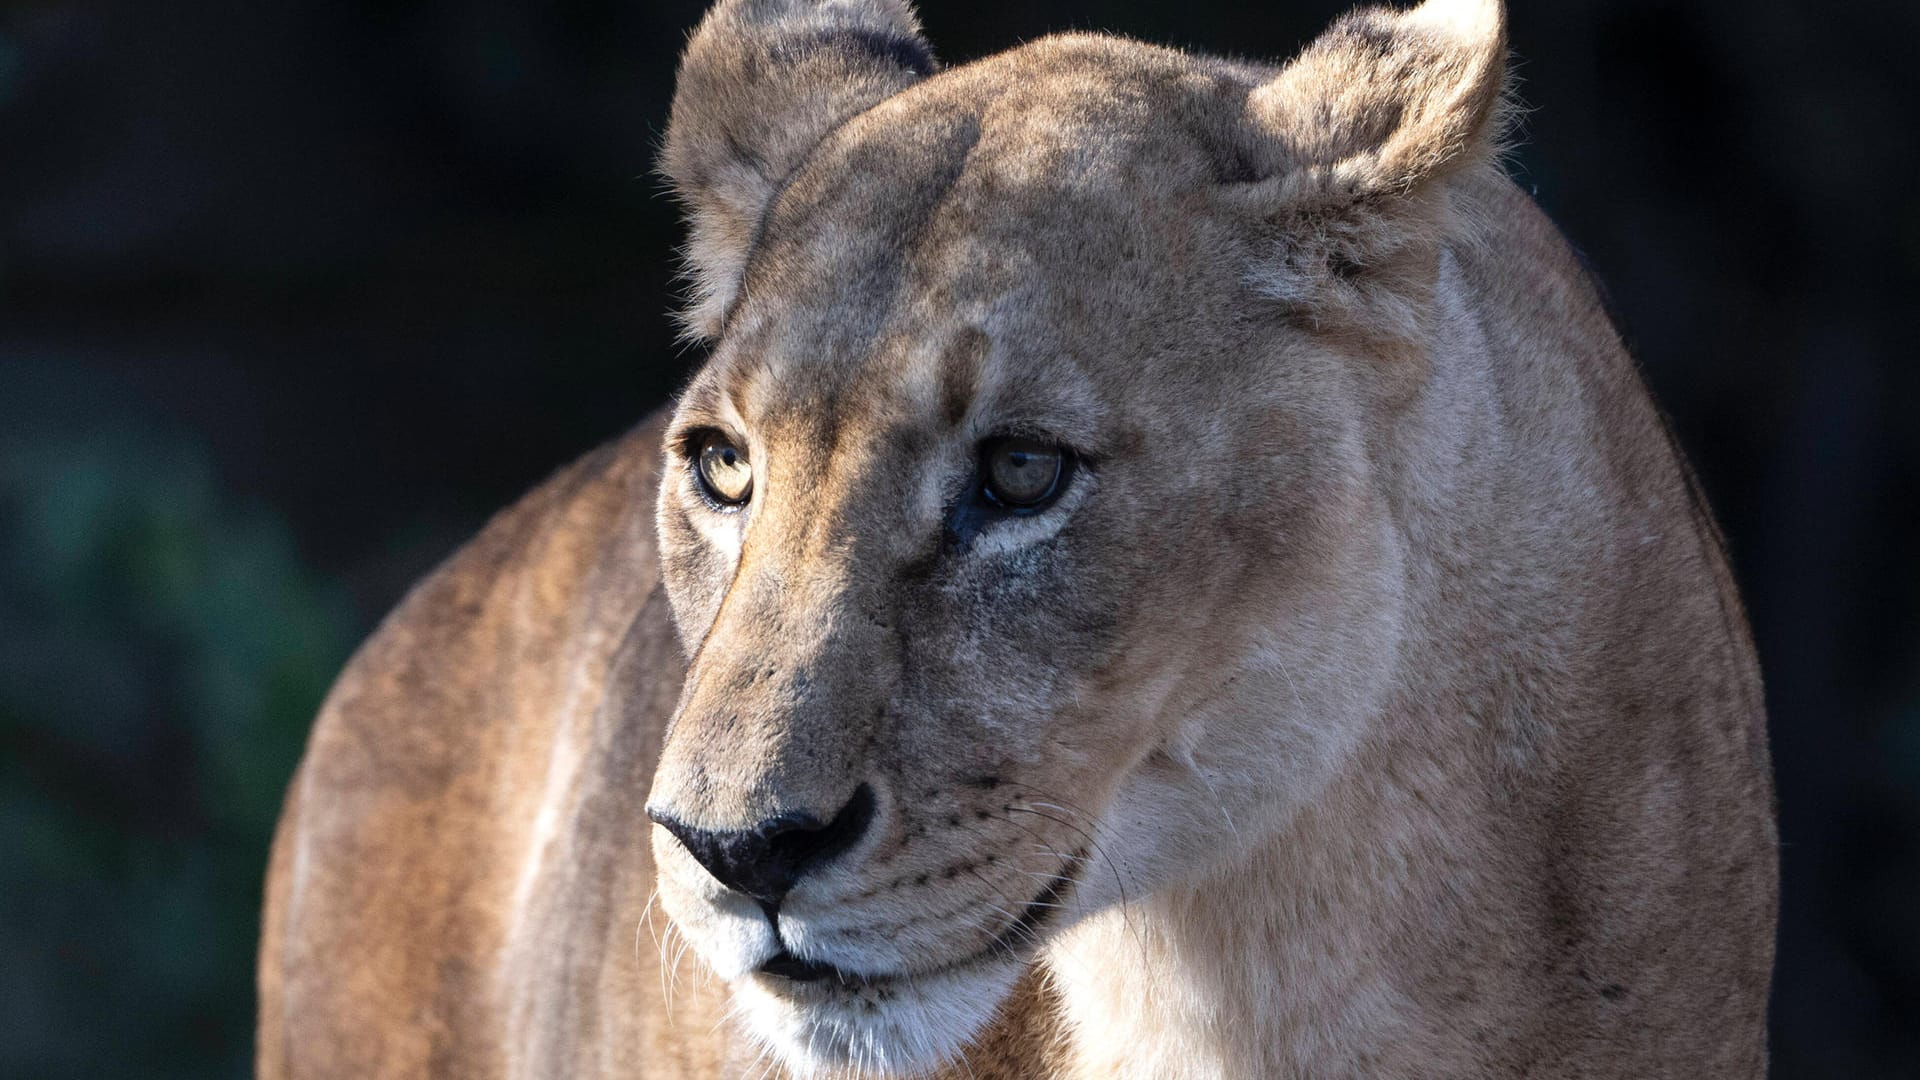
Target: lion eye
point(724, 472)
point(1021, 474)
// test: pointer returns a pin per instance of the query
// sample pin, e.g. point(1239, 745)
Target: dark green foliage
point(162, 650)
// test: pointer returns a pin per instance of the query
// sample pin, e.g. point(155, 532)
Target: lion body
point(1439, 751)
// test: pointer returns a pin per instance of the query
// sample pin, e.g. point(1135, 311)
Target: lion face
point(1021, 539)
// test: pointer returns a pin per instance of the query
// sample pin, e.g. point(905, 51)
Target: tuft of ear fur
point(1351, 137)
point(760, 84)
point(1385, 100)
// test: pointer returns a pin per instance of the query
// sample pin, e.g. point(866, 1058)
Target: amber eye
point(1021, 474)
point(724, 471)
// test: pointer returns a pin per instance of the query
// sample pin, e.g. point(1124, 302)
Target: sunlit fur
point(1374, 702)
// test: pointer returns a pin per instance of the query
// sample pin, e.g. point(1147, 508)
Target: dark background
point(293, 293)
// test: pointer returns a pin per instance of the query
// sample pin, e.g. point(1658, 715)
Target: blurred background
point(293, 293)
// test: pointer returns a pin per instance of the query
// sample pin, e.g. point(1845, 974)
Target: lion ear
point(1385, 100)
point(761, 83)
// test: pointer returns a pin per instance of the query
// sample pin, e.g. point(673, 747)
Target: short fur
point(1376, 702)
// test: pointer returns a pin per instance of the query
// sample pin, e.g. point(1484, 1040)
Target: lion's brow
point(961, 366)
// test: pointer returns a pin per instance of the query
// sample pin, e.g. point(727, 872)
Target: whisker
point(1094, 846)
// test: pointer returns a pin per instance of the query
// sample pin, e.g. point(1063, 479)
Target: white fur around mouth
point(903, 1025)
point(891, 1024)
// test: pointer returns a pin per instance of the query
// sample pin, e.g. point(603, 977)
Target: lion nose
point(765, 861)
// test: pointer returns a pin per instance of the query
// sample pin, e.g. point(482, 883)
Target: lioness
point(1167, 571)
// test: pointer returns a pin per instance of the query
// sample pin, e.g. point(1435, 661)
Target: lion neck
point(1306, 955)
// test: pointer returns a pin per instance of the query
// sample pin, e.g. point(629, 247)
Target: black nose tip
point(764, 861)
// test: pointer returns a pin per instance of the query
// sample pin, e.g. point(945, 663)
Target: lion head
point(1020, 526)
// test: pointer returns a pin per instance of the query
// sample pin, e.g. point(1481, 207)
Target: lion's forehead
point(1050, 153)
point(984, 209)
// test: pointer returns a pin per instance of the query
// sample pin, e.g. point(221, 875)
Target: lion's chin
point(881, 1027)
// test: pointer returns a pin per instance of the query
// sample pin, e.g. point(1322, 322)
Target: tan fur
point(1378, 684)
